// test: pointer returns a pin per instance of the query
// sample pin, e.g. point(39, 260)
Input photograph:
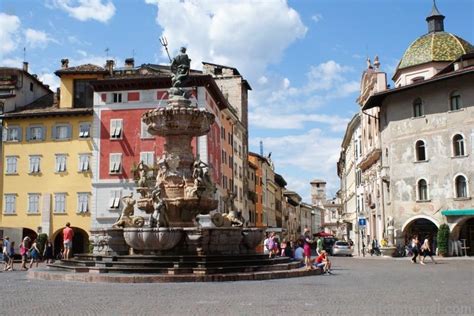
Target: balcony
point(372, 157)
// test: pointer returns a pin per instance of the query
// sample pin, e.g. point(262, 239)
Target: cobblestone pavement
point(359, 287)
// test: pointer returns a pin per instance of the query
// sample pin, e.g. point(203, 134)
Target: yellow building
point(47, 152)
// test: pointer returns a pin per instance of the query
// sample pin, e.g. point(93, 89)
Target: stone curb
point(41, 274)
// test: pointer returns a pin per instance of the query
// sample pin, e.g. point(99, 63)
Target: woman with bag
point(415, 244)
point(426, 251)
point(24, 252)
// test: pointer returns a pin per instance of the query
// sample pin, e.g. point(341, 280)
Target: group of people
point(299, 250)
point(29, 250)
point(424, 250)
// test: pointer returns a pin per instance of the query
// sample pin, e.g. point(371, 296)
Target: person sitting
point(299, 253)
point(322, 262)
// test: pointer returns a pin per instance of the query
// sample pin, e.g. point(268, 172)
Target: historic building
point(424, 165)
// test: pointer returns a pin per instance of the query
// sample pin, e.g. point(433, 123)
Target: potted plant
point(443, 240)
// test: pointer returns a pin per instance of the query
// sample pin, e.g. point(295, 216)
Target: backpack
point(270, 244)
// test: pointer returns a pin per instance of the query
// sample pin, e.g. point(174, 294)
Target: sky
point(303, 58)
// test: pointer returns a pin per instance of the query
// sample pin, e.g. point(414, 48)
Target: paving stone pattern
point(359, 287)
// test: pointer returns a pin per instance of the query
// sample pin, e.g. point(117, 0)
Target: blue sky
point(303, 58)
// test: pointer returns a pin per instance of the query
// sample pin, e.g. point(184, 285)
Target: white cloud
point(312, 154)
point(11, 62)
point(50, 79)
point(83, 10)
point(317, 17)
point(9, 26)
point(247, 34)
point(37, 39)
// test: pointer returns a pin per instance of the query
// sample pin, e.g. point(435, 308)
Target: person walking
point(11, 254)
point(426, 251)
point(24, 248)
point(307, 249)
point(5, 252)
point(319, 245)
point(35, 254)
point(415, 244)
point(68, 235)
point(48, 252)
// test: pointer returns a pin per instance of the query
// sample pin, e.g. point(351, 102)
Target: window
point(83, 94)
point(115, 165)
point(12, 163)
point(60, 203)
point(422, 190)
point(455, 101)
point(31, 86)
point(35, 133)
point(84, 161)
point(420, 151)
point(461, 187)
point(35, 164)
point(13, 134)
point(144, 131)
point(417, 108)
point(116, 129)
point(33, 203)
point(148, 158)
point(10, 204)
point(61, 132)
point(117, 97)
point(114, 202)
point(84, 130)
point(458, 145)
point(82, 202)
point(358, 177)
point(60, 163)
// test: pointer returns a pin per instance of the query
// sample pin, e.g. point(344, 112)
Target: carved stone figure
point(180, 66)
point(142, 171)
point(390, 221)
point(229, 205)
point(232, 218)
point(158, 217)
point(126, 218)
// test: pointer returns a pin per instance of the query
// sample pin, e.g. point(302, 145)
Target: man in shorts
point(68, 235)
point(322, 262)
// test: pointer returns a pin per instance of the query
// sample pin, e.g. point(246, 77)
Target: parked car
point(328, 242)
point(341, 248)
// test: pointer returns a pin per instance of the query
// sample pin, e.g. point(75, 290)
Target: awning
point(458, 212)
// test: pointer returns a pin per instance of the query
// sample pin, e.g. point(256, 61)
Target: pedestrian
point(426, 251)
point(34, 254)
point(375, 248)
point(307, 249)
point(68, 235)
point(319, 245)
point(11, 253)
point(283, 247)
point(5, 252)
point(24, 248)
point(48, 252)
point(414, 248)
point(266, 249)
point(299, 252)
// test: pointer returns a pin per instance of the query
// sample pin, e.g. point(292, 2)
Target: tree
point(443, 240)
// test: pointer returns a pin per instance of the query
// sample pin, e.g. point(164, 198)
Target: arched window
point(461, 187)
point(455, 101)
point(417, 108)
point(420, 151)
point(458, 145)
point(422, 190)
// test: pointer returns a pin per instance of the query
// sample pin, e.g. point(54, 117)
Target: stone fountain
point(183, 234)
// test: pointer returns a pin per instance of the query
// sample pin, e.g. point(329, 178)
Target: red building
point(121, 139)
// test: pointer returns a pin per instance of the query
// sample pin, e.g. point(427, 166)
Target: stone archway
point(80, 242)
point(421, 226)
point(464, 229)
point(29, 233)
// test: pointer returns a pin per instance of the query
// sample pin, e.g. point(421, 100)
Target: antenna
point(261, 148)
point(24, 54)
point(107, 52)
point(133, 53)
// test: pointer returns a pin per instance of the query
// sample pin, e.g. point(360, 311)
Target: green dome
point(435, 46)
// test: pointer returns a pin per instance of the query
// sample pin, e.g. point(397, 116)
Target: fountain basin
point(152, 239)
point(252, 237)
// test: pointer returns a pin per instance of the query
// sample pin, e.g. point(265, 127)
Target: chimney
point(25, 66)
point(129, 63)
point(109, 66)
point(58, 94)
point(64, 63)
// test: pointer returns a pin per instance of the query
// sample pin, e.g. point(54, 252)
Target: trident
point(164, 43)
